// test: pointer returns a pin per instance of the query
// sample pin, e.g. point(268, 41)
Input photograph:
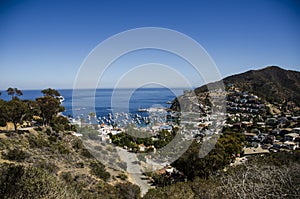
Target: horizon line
point(39, 89)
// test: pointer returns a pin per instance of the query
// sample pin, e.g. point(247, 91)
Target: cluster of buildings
point(243, 102)
point(245, 113)
point(274, 139)
point(264, 132)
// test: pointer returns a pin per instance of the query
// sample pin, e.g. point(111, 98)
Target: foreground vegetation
point(272, 176)
point(44, 110)
point(40, 164)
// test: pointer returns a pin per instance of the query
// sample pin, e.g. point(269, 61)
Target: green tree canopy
point(15, 111)
point(14, 92)
point(2, 119)
point(227, 146)
point(50, 92)
point(49, 105)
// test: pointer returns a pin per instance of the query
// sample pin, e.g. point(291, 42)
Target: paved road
point(134, 170)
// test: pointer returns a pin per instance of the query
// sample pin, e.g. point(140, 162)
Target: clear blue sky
point(44, 42)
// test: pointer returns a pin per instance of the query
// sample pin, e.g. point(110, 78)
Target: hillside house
point(290, 136)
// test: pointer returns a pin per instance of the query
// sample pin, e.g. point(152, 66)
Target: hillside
point(40, 163)
point(272, 83)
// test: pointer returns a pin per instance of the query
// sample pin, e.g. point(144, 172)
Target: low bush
point(17, 181)
point(98, 169)
point(86, 153)
point(15, 154)
point(46, 165)
point(122, 176)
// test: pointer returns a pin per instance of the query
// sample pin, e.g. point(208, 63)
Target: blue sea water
point(82, 102)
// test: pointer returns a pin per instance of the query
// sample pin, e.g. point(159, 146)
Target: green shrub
point(122, 176)
point(17, 181)
point(48, 132)
point(15, 155)
point(60, 123)
point(79, 165)
point(62, 149)
point(67, 177)
point(98, 169)
point(128, 190)
point(77, 144)
point(37, 141)
point(46, 165)
point(86, 153)
point(52, 138)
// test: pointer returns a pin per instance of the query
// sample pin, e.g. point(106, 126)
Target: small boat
point(142, 110)
point(137, 116)
point(169, 102)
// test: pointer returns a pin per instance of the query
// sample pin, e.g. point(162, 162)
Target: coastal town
point(267, 128)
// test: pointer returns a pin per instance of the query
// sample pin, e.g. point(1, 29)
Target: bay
point(123, 101)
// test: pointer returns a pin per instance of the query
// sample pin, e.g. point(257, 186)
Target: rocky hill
point(273, 84)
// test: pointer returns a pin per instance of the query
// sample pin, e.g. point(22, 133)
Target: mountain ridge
point(272, 83)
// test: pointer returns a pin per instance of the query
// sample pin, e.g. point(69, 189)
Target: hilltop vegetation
point(272, 84)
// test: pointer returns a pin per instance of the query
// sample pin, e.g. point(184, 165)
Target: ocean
point(124, 101)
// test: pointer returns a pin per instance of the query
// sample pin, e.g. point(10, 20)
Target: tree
point(227, 146)
point(33, 106)
point(10, 91)
point(60, 123)
point(49, 105)
point(2, 119)
point(128, 190)
point(15, 111)
point(14, 92)
point(50, 92)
